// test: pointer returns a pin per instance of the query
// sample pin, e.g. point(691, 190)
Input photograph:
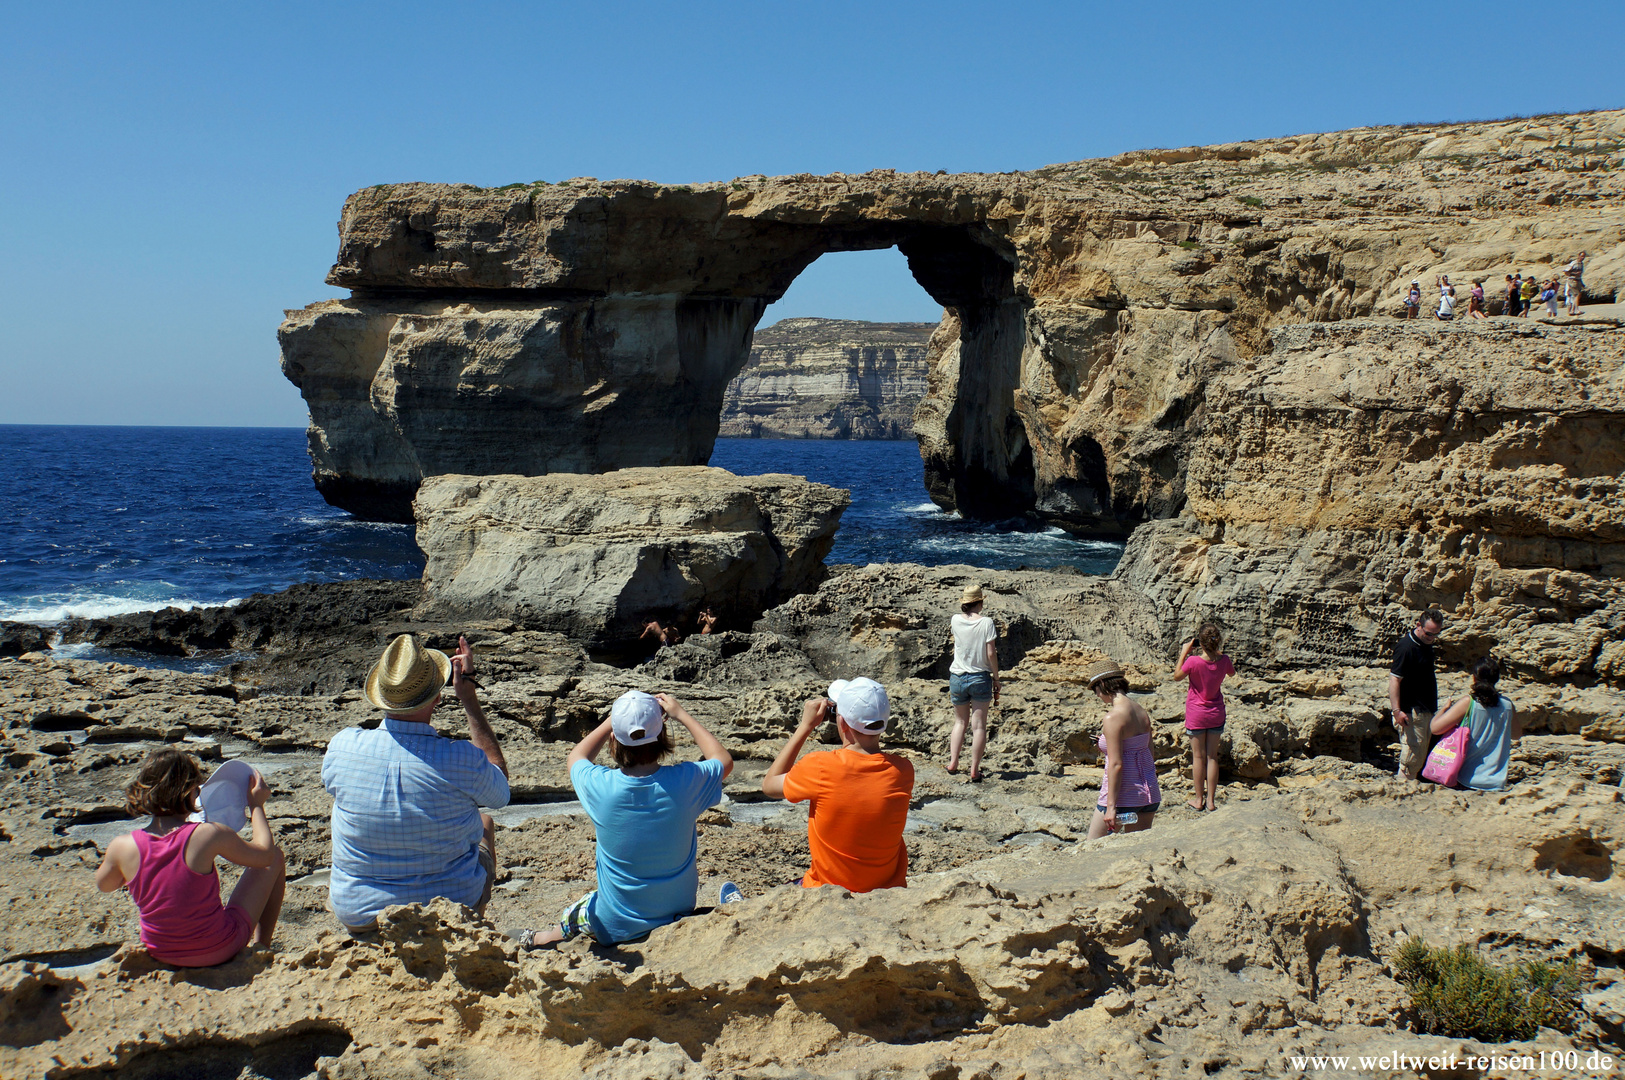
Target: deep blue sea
point(104, 520)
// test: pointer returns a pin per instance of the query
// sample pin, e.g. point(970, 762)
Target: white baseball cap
point(862, 703)
point(636, 718)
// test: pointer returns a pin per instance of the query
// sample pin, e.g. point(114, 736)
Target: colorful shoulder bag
point(1444, 763)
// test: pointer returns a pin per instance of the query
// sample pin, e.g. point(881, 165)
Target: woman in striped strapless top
point(1130, 782)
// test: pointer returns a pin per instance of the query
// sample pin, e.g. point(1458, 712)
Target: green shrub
point(1457, 993)
point(1251, 200)
point(1189, 245)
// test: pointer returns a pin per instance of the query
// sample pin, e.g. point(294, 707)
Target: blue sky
point(170, 175)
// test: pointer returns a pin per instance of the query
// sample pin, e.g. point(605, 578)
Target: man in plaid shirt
point(407, 825)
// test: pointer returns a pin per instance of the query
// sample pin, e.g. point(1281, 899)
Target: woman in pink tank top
point(1130, 783)
point(1204, 710)
point(169, 868)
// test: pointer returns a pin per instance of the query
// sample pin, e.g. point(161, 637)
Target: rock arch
point(587, 326)
point(494, 332)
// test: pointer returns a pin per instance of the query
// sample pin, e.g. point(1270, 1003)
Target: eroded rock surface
point(1358, 473)
point(1226, 941)
point(829, 379)
point(597, 556)
point(590, 325)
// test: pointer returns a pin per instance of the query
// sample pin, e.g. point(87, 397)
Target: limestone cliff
point(1360, 472)
point(591, 325)
point(829, 379)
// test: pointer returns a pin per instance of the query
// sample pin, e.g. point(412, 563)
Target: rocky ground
point(1219, 944)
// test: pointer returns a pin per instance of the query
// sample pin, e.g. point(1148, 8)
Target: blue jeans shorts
point(1148, 808)
point(969, 687)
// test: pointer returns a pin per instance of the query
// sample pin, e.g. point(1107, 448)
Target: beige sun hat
point(1102, 669)
point(971, 595)
point(408, 676)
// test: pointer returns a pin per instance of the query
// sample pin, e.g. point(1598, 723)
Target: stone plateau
point(1216, 944)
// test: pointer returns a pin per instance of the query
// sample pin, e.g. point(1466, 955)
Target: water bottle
point(1126, 817)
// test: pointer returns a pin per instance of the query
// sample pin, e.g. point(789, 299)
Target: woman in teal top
point(1493, 727)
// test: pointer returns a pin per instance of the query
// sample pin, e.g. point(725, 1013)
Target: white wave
point(322, 521)
point(923, 508)
point(44, 610)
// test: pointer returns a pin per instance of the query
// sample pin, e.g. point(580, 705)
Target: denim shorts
point(1148, 808)
point(969, 687)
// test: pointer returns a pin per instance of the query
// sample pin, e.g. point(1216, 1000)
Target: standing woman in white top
point(973, 679)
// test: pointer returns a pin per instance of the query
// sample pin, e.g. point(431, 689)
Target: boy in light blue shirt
point(644, 813)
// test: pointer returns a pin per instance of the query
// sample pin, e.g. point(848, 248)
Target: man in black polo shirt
point(1413, 692)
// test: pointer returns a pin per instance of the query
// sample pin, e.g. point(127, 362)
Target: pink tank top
point(1204, 701)
point(1138, 784)
point(182, 919)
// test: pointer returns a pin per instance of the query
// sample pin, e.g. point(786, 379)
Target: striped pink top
point(182, 920)
point(1138, 784)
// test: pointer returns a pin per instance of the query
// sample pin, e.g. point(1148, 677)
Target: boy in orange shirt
point(859, 795)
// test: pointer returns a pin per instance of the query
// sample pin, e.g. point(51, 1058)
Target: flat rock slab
point(596, 556)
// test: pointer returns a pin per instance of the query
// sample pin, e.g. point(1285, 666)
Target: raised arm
point(1184, 654)
point(587, 749)
point(710, 747)
point(812, 714)
point(221, 841)
point(467, 691)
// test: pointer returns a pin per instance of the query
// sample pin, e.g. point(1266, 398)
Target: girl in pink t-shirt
point(1204, 710)
point(169, 867)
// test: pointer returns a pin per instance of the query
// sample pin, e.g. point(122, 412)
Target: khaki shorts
point(488, 861)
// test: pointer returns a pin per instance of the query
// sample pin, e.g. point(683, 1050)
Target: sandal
point(525, 938)
point(976, 778)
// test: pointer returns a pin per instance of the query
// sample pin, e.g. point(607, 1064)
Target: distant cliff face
point(829, 379)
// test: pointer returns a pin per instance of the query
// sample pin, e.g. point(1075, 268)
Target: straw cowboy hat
point(1102, 669)
point(971, 595)
point(408, 676)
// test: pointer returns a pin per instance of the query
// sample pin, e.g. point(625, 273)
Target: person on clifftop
point(1413, 691)
point(1447, 299)
point(1130, 782)
point(1574, 283)
point(973, 679)
point(1202, 662)
point(1530, 289)
point(169, 866)
point(644, 814)
point(407, 825)
point(858, 794)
